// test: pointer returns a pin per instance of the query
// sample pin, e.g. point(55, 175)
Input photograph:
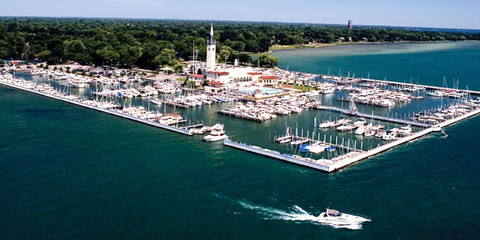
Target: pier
point(330, 165)
point(427, 87)
point(371, 116)
point(233, 114)
point(349, 149)
point(183, 131)
point(307, 162)
point(343, 145)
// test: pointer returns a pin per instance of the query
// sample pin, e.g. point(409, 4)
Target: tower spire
point(211, 50)
point(212, 36)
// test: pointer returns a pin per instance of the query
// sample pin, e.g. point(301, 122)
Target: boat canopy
point(333, 212)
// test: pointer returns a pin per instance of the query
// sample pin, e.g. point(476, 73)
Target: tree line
point(153, 44)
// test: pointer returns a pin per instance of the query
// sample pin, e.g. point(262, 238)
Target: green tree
point(108, 55)
point(76, 51)
point(225, 52)
point(165, 58)
point(178, 68)
point(267, 60)
point(129, 55)
point(44, 55)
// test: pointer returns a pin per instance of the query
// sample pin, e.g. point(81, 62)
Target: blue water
point(424, 63)
point(71, 173)
point(263, 90)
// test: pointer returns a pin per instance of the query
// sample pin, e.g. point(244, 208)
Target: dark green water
point(69, 172)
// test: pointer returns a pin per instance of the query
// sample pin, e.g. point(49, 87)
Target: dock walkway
point(144, 121)
point(238, 115)
point(307, 162)
point(428, 87)
point(371, 116)
point(336, 144)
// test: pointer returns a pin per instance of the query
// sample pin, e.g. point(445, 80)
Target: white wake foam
point(295, 214)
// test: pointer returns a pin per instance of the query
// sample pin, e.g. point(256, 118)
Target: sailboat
point(285, 138)
point(170, 118)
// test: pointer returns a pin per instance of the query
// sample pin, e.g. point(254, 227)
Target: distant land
point(157, 43)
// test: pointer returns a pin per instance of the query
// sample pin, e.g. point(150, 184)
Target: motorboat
point(317, 148)
point(328, 90)
point(371, 132)
point(298, 141)
point(390, 135)
point(327, 124)
point(405, 131)
point(156, 101)
point(360, 122)
point(346, 127)
point(380, 133)
point(336, 217)
point(216, 134)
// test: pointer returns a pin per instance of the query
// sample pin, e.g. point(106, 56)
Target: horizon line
point(241, 21)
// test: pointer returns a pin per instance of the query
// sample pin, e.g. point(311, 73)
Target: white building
point(211, 50)
point(196, 80)
point(214, 87)
point(219, 76)
point(267, 80)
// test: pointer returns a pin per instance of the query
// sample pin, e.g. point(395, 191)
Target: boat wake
point(296, 214)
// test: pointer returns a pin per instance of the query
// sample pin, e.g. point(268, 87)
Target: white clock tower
point(211, 50)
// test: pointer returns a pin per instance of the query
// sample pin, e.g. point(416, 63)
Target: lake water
point(424, 63)
point(69, 172)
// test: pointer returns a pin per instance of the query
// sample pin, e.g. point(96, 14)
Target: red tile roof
point(197, 75)
point(215, 83)
point(268, 77)
point(218, 72)
point(254, 73)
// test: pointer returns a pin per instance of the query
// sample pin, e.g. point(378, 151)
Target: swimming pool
point(263, 90)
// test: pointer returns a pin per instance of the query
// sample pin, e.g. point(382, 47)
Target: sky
point(408, 13)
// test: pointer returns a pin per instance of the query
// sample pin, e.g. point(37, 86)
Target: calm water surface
point(69, 172)
point(424, 63)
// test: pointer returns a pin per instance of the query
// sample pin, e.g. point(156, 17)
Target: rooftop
point(218, 72)
point(268, 77)
point(197, 75)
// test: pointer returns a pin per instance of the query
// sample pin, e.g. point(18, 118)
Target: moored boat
point(216, 134)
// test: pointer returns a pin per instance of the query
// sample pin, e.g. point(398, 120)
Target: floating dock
point(330, 165)
point(371, 116)
point(427, 87)
point(326, 165)
point(233, 114)
point(147, 122)
point(307, 162)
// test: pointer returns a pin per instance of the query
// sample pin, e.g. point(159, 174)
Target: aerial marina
point(150, 119)
point(254, 102)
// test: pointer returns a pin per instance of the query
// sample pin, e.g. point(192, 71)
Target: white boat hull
point(214, 139)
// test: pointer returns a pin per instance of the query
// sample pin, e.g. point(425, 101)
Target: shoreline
point(274, 48)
